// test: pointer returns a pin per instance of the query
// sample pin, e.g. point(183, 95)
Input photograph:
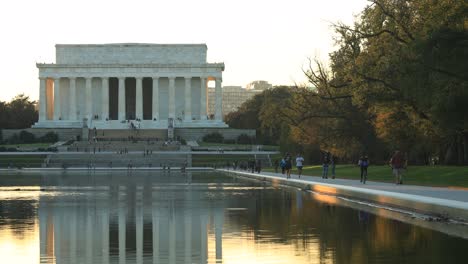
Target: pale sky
point(256, 39)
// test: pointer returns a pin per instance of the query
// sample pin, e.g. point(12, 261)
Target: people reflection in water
point(363, 217)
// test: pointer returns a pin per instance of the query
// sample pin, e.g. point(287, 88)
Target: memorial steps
point(125, 134)
point(118, 146)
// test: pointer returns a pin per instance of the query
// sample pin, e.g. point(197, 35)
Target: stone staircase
point(126, 134)
point(119, 146)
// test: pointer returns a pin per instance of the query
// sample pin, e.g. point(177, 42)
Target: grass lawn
point(32, 161)
point(246, 146)
point(218, 159)
point(29, 146)
point(443, 176)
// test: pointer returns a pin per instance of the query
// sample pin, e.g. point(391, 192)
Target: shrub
point(14, 139)
point(27, 137)
point(213, 138)
point(50, 137)
point(244, 139)
point(230, 141)
point(183, 141)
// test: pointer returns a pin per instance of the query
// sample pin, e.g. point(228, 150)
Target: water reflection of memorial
point(140, 222)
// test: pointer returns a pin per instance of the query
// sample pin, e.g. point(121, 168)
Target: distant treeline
point(19, 113)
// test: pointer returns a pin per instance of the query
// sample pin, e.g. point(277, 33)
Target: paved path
point(433, 192)
point(141, 152)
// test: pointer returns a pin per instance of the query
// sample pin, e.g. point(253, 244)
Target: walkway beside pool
point(436, 201)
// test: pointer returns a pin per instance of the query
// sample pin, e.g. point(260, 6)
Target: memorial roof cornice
point(132, 45)
point(205, 65)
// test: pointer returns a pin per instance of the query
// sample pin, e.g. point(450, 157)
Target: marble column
point(72, 228)
point(122, 99)
point(155, 224)
point(57, 110)
point(203, 99)
point(105, 235)
point(139, 231)
point(219, 220)
point(203, 238)
point(73, 98)
point(89, 99)
point(188, 237)
point(122, 230)
point(43, 215)
point(172, 236)
point(188, 99)
point(218, 100)
point(139, 98)
point(42, 99)
point(105, 98)
point(89, 236)
point(172, 97)
point(156, 98)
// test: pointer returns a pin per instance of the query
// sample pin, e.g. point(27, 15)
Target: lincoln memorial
point(109, 86)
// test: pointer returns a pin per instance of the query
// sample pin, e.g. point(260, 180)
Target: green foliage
point(50, 137)
point(26, 137)
point(265, 113)
point(214, 137)
point(244, 139)
point(397, 80)
point(18, 113)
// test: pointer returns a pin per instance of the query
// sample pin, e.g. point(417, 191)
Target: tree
point(19, 113)
point(397, 80)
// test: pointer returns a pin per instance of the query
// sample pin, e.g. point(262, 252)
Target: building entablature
point(213, 70)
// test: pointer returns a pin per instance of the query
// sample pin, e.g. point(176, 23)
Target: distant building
point(259, 85)
point(235, 96)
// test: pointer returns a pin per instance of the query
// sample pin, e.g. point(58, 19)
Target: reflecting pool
point(203, 217)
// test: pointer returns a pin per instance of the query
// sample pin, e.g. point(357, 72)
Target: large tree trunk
point(460, 156)
point(449, 154)
point(465, 149)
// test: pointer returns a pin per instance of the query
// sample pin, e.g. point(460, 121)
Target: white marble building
point(105, 85)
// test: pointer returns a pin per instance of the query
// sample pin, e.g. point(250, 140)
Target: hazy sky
point(256, 39)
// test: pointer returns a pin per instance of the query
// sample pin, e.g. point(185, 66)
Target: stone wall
point(63, 133)
point(131, 54)
point(198, 133)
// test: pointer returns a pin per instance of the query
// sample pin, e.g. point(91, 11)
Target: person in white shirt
point(299, 161)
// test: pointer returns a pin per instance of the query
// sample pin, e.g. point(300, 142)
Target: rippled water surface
point(150, 217)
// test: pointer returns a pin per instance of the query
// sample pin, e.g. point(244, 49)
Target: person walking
point(363, 163)
point(398, 164)
point(283, 165)
point(299, 162)
point(333, 165)
point(325, 164)
point(288, 165)
point(276, 164)
point(258, 166)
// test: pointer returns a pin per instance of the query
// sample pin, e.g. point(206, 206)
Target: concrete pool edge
point(442, 208)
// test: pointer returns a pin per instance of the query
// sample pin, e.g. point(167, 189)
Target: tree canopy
point(20, 112)
point(397, 80)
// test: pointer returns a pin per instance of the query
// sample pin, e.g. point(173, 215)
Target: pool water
point(203, 217)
